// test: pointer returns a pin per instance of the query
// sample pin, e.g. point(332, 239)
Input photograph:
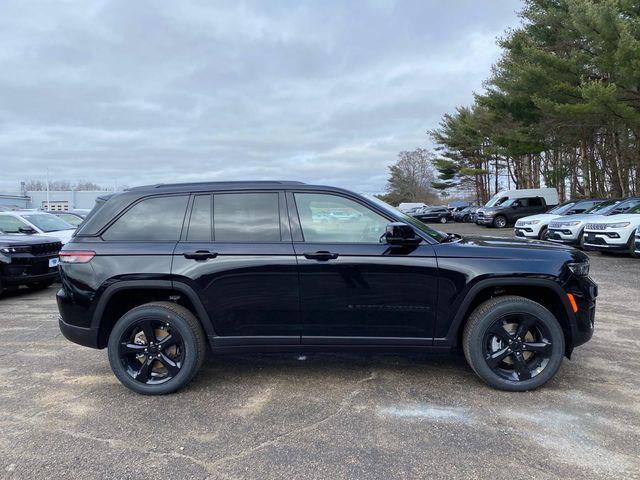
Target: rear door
point(353, 288)
point(236, 253)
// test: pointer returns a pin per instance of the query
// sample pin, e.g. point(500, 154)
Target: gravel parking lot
point(63, 414)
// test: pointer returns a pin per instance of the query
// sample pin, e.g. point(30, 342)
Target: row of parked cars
point(30, 241)
point(595, 224)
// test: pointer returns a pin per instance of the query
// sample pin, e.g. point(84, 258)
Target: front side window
point(246, 217)
point(9, 224)
point(326, 218)
point(152, 220)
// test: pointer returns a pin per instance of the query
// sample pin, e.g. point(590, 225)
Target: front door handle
point(322, 255)
point(200, 255)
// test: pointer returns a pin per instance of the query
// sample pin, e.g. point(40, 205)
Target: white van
point(410, 207)
point(550, 196)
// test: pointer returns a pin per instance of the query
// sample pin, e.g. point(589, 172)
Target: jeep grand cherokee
point(158, 274)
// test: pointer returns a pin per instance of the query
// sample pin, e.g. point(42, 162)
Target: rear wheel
point(156, 348)
point(466, 219)
point(500, 222)
point(443, 219)
point(513, 343)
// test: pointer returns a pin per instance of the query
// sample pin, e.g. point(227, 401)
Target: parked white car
point(535, 226)
point(570, 230)
point(33, 222)
point(615, 233)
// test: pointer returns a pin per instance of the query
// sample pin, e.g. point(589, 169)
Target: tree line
point(561, 107)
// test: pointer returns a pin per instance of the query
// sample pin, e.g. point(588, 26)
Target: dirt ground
point(64, 415)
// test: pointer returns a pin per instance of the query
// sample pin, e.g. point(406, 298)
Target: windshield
point(562, 209)
point(72, 219)
point(634, 210)
point(47, 222)
point(435, 234)
point(603, 208)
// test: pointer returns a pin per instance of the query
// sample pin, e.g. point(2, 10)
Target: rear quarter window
point(152, 219)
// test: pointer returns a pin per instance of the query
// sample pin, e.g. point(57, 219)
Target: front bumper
point(526, 232)
point(29, 279)
point(484, 220)
point(26, 268)
point(584, 291)
point(563, 235)
point(602, 241)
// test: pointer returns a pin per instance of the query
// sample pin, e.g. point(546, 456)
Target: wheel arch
point(546, 292)
point(122, 296)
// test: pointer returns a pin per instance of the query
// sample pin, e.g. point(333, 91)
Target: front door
point(353, 288)
point(236, 253)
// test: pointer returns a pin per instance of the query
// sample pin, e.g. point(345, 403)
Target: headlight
point(618, 225)
point(15, 249)
point(565, 224)
point(579, 269)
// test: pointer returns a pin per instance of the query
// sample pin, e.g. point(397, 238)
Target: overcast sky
point(321, 91)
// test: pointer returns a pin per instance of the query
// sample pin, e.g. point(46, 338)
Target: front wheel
point(499, 222)
point(156, 348)
point(544, 234)
point(632, 245)
point(513, 343)
point(443, 219)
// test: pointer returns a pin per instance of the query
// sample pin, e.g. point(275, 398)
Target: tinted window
point(200, 222)
point(10, 224)
point(331, 218)
point(154, 219)
point(246, 217)
point(535, 202)
point(48, 222)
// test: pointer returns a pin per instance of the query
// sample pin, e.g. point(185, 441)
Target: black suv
point(157, 274)
point(510, 210)
point(28, 260)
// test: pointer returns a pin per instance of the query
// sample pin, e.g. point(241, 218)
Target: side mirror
point(399, 233)
point(26, 230)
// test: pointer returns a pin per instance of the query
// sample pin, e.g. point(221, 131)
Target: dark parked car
point(433, 214)
point(509, 211)
point(466, 214)
point(157, 274)
point(28, 260)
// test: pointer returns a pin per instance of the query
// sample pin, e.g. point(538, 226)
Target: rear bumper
point(87, 337)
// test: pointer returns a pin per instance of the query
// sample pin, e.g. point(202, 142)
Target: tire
point(580, 243)
point(466, 219)
point(500, 221)
point(632, 245)
point(544, 231)
point(443, 219)
point(39, 285)
point(517, 368)
point(175, 356)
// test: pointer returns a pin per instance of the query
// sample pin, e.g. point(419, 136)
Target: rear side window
point(246, 217)
point(535, 202)
point(153, 219)
point(200, 223)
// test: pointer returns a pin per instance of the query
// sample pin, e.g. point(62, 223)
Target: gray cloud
point(144, 92)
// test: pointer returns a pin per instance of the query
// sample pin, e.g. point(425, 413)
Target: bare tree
point(410, 178)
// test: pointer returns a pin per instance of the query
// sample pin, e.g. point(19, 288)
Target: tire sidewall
point(190, 363)
point(475, 351)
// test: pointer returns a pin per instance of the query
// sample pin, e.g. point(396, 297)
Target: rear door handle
point(200, 255)
point(322, 255)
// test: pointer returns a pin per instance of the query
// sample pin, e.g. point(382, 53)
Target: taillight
point(78, 256)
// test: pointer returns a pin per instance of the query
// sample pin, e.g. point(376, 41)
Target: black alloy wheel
point(156, 348)
point(513, 343)
point(151, 351)
point(517, 347)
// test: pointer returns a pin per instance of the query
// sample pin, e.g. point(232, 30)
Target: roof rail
point(201, 184)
